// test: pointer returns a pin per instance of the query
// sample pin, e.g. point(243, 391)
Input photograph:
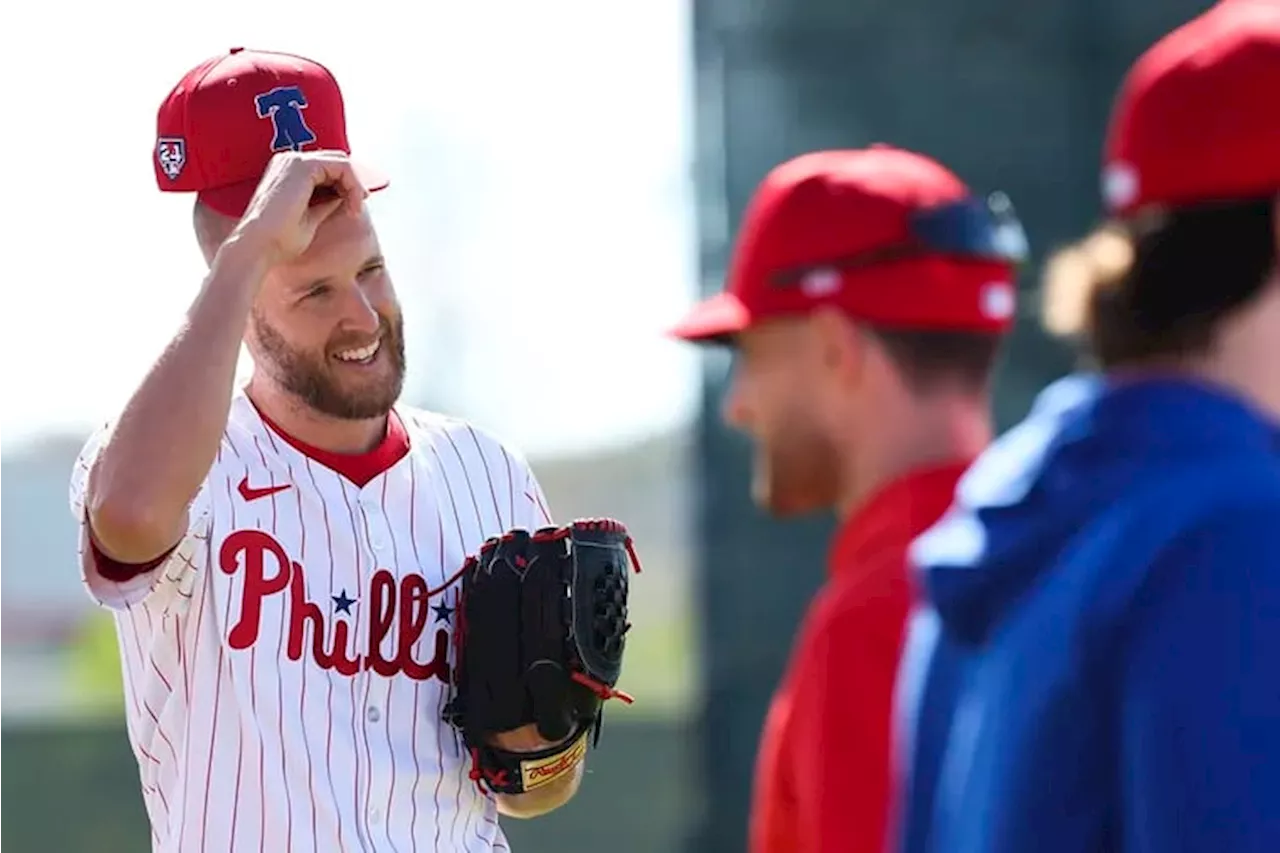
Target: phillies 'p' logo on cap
point(284, 106)
point(221, 124)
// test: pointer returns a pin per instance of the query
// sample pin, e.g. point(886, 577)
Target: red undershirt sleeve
point(115, 571)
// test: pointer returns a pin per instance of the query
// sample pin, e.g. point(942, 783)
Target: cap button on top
point(235, 50)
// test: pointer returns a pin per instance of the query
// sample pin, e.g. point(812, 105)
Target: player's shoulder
point(1232, 514)
point(461, 437)
point(247, 437)
point(93, 442)
point(859, 612)
point(79, 480)
point(846, 633)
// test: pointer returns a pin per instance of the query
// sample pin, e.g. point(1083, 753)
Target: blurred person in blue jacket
point(1096, 665)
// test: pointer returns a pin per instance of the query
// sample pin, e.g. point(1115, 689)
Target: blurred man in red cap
point(281, 557)
point(1096, 661)
point(866, 300)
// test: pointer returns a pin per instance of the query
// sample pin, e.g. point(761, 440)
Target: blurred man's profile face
point(327, 327)
point(773, 397)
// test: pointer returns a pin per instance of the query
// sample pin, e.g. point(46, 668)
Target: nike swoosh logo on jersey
point(249, 493)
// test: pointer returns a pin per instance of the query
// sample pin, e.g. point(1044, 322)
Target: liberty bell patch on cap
point(171, 154)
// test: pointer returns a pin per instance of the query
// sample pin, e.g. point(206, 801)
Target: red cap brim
point(233, 199)
point(722, 316)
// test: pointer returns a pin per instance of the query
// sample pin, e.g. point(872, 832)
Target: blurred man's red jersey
point(823, 775)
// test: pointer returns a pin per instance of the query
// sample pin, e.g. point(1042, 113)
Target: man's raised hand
point(297, 194)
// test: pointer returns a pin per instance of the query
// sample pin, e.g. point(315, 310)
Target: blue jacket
point(1096, 665)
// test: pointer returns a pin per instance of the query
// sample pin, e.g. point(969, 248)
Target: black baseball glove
point(539, 640)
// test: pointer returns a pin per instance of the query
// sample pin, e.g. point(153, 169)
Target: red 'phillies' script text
point(401, 604)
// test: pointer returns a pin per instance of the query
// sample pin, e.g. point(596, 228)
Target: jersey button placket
point(380, 761)
point(372, 506)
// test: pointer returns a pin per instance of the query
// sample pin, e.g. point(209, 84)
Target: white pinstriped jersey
point(286, 667)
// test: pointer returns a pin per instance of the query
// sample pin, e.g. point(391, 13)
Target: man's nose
point(359, 313)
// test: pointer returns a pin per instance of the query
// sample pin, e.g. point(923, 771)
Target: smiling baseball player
point(283, 560)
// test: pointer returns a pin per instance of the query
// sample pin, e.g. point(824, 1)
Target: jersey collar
point(359, 468)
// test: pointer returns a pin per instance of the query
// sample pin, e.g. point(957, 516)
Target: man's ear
point(212, 229)
point(841, 344)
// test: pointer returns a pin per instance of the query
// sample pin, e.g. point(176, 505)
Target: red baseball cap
point(1197, 117)
point(219, 127)
point(887, 235)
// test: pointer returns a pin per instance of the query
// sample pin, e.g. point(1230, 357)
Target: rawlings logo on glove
point(542, 623)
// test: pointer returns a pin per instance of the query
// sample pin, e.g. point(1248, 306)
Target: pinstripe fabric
point(286, 668)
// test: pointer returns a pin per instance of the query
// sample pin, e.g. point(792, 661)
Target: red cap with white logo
point(221, 124)
point(1197, 118)
point(888, 236)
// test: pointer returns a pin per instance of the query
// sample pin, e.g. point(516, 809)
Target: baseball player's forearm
point(167, 437)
